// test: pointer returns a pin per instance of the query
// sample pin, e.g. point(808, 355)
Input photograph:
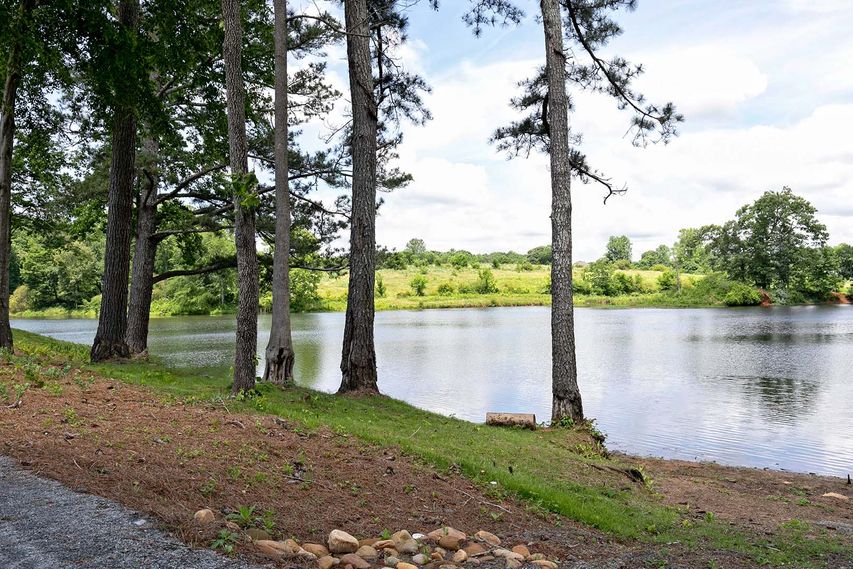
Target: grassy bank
point(561, 471)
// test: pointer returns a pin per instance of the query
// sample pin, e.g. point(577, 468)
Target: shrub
point(622, 264)
point(446, 289)
point(496, 264)
point(599, 275)
point(461, 259)
point(667, 280)
point(546, 288)
point(486, 283)
point(418, 284)
point(380, 286)
point(303, 290)
point(659, 268)
point(742, 295)
point(581, 286)
point(850, 291)
point(20, 299)
point(524, 266)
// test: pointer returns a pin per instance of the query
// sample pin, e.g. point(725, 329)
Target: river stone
point(391, 561)
point(316, 549)
point(367, 552)
point(257, 534)
point(419, 559)
point(437, 556)
point(835, 495)
point(383, 544)
point(404, 542)
point(512, 563)
point(460, 556)
point(271, 548)
point(342, 542)
point(544, 563)
point(489, 538)
point(204, 517)
point(522, 550)
point(473, 549)
point(232, 526)
point(327, 562)
point(404, 565)
point(436, 535)
point(354, 560)
point(451, 542)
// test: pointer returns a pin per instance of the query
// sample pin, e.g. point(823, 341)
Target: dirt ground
point(169, 459)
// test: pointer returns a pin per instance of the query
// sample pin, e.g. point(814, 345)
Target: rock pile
point(443, 548)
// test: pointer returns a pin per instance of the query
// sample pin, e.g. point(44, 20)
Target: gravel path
point(45, 525)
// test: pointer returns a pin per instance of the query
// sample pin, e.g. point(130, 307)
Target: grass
point(515, 288)
point(552, 469)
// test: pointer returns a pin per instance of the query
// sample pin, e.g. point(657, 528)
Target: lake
point(763, 387)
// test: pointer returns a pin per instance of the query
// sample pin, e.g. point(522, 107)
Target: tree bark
point(142, 271)
point(112, 321)
point(566, 401)
point(358, 362)
point(245, 356)
point(7, 141)
point(279, 353)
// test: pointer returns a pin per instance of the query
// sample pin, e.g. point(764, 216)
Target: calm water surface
point(758, 387)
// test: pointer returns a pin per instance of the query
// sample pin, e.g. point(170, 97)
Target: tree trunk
point(112, 322)
point(245, 356)
point(142, 272)
point(7, 141)
point(279, 354)
point(358, 363)
point(564, 373)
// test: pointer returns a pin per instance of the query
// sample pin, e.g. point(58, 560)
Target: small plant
point(486, 283)
point(267, 521)
point(446, 289)
point(53, 388)
point(381, 291)
point(385, 534)
point(225, 541)
point(418, 284)
point(69, 415)
point(243, 517)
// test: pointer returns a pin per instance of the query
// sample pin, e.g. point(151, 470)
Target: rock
point(522, 550)
point(258, 534)
point(436, 535)
point(204, 517)
point(441, 551)
point(506, 553)
point(460, 556)
point(391, 561)
point(419, 559)
point(835, 495)
point(342, 542)
point(291, 543)
point(368, 541)
point(437, 556)
point(305, 554)
point(473, 549)
point(403, 565)
point(473, 561)
point(489, 538)
point(327, 562)
point(271, 548)
point(367, 552)
point(537, 557)
point(232, 526)
point(512, 563)
point(418, 536)
point(354, 560)
point(384, 544)
point(447, 566)
point(316, 549)
point(451, 542)
point(544, 563)
point(390, 552)
point(404, 542)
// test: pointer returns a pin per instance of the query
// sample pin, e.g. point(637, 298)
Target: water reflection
point(760, 387)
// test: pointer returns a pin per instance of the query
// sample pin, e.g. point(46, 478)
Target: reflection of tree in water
point(781, 399)
point(308, 362)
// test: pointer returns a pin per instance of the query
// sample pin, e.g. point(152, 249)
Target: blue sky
point(766, 87)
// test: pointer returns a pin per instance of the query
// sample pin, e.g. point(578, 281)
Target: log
point(526, 420)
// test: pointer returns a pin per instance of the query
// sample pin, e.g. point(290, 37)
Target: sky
point(766, 88)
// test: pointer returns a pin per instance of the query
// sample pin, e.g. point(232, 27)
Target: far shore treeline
point(58, 272)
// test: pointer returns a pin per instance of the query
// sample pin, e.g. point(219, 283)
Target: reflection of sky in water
point(759, 387)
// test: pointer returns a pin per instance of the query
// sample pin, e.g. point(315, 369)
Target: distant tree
point(618, 248)
point(844, 254)
point(768, 240)
point(660, 256)
point(541, 255)
point(689, 251)
point(416, 247)
point(418, 284)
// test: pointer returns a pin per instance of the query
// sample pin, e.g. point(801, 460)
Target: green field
point(515, 288)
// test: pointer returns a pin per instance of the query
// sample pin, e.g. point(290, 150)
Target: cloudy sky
point(766, 87)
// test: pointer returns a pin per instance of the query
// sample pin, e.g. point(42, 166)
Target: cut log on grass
point(526, 420)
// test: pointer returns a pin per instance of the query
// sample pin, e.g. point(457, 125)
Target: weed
point(225, 541)
point(243, 517)
point(207, 488)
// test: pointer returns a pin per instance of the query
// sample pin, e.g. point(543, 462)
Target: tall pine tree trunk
point(279, 353)
point(142, 271)
point(564, 374)
point(112, 320)
point(7, 141)
point(244, 216)
point(358, 363)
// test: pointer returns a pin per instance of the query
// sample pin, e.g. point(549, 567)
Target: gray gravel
point(45, 525)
